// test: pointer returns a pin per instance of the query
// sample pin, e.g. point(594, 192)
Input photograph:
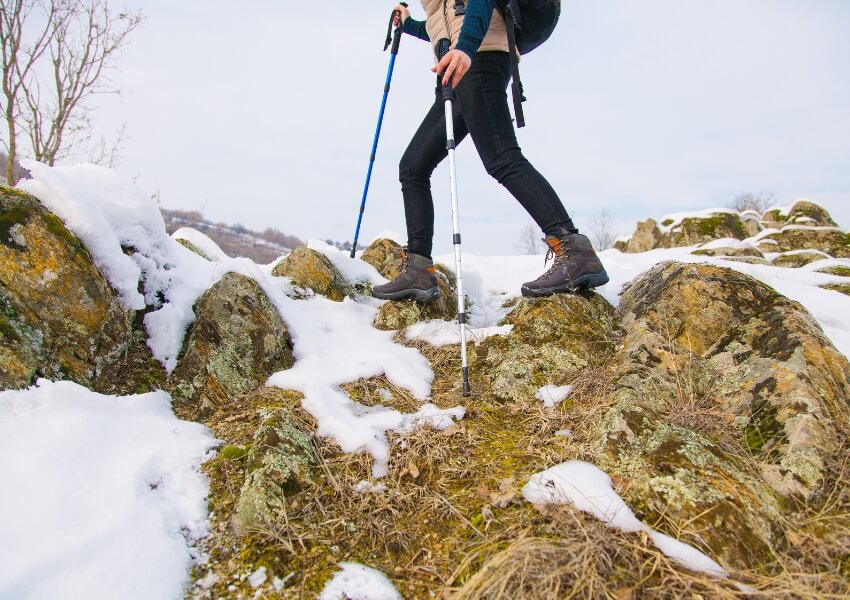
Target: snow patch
point(591, 490)
point(107, 497)
point(358, 582)
point(553, 395)
point(202, 242)
point(438, 332)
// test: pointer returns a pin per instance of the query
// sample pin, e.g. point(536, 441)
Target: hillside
point(235, 240)
point(179, 422)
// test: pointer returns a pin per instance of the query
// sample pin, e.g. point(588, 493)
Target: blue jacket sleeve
point(475, 25)
point(416, 29)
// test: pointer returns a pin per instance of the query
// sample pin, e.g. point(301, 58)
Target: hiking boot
point(418, 280)
point(576, 267)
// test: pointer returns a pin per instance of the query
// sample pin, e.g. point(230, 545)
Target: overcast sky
point(263, 113)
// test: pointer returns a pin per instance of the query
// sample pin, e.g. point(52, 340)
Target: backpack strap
point(510, 16)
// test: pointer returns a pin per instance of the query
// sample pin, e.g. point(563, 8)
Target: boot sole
point(582, 282)
point(418, 295)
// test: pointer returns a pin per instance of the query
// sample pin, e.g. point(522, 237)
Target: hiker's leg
point(484, 104)
point(426, 150)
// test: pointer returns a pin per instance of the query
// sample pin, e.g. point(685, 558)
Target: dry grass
point(452, 523)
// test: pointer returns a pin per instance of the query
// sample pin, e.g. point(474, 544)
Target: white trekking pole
point(448, 96)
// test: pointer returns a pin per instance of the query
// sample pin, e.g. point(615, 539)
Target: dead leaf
point(625, 593)
point(795, 538)
point(413, 470)
point(483, 491)
point(507, 492)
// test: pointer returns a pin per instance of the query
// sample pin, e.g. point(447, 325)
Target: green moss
point(279, 460)
point(843, 288)
point(56, 226)
point(667, 222)
point(838, 270)
point(9, 217)
point(763, 430)
point(234, 452)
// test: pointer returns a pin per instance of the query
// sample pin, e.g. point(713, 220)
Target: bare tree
point(601, 228)
point(56, 55)
point(530, 241)
point(758, 202)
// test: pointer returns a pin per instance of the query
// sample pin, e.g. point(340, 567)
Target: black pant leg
point(483, 102)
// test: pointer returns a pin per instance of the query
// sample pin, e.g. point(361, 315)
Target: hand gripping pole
point(448, 96)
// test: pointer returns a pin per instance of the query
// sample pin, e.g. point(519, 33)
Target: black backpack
point(530, 23)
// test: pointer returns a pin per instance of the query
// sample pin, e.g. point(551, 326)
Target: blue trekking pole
point(393, 38)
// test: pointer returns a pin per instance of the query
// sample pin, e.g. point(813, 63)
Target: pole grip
point(442, 49)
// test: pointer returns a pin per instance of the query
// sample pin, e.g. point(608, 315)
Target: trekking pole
point(394, 38)
point(448, 97)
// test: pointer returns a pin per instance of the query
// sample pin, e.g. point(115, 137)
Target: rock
point(703, 340)
point(843, 288)
point(59, 317)
point(552, 339)
point(398, 314)
point(798, 258)
point(692, 230)
point(645, 237)
point(310, 269)
point(192, 247)
point(728, 247)
point(838, 270)
point(750, 260)
point(278, 466)
point(831, 240)
point(386, 256)
point(237, 340)
point(802, 212)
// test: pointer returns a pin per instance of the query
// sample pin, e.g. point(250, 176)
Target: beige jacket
point(442, 23)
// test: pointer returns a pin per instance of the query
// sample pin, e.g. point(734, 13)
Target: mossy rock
point(386, 256)
point(805, 212)
point(398, 314)
point(838, 270)
point(729, 251)
point(59, 316)
point(697, 230)
point(762, 354)
point(843, 288)
point(236, 342)
point(676, 476)
point(278, 464)
point(192, 247)
point(797, 259)
point(830, 240)
point(552, 339)
point(310, 269)
point(750, 260)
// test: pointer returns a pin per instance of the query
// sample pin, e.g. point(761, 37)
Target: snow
point(728, 243)
point(358, 582)
point(257, 578)
point(330, 339)
point(202, 242)
point(107, 497)
point(354, 271)
point(553, 395)
point(591, 490)
point(438, 332)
